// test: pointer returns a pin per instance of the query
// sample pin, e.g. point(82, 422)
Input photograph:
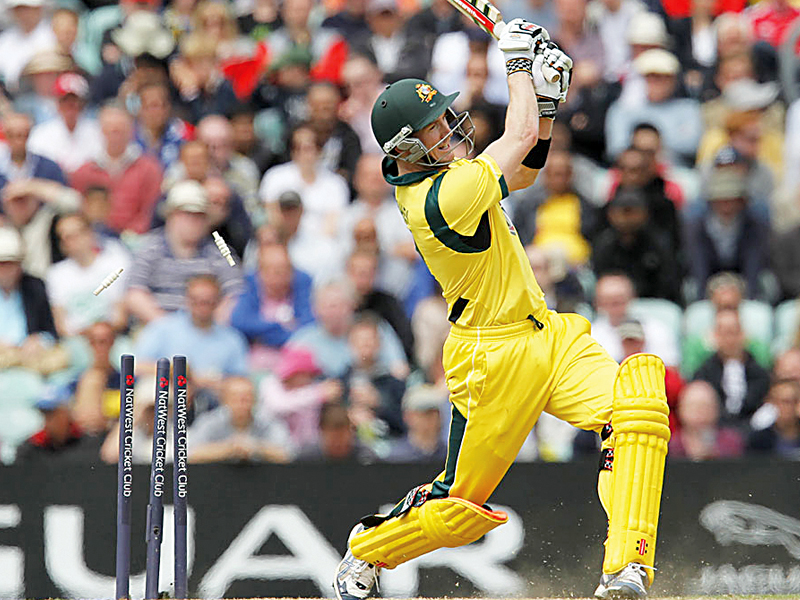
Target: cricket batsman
point(507, 357)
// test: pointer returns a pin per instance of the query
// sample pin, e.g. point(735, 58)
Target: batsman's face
point(433, 134)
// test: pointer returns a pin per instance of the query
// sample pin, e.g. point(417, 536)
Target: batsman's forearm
point(522, 115)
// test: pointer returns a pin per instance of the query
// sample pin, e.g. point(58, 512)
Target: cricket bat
point(487, 16)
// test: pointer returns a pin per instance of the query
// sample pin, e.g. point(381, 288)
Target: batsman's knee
point(439, 523)
point(640, 399)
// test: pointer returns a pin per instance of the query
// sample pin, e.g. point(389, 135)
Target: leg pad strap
point(440, 523)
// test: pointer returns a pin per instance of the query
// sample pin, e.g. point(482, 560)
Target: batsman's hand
point(522, 39)
point(551, 94)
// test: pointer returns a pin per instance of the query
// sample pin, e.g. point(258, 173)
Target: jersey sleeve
point(465, 192)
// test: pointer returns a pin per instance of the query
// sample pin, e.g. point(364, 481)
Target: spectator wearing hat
point(324, 195)
point(20, 164)
point(701, 436)
point(157, 132)
point(27, 329)
point(37, 85)
point(72, 138)
point(231, 433)
point(238, 171)
point(384, 38)
point(132, 178)
point(632, 246)
point(294, 394)
point(613, 296)
point(89, 258)
point(32, 206)
point(18, 44)
point(61, 439)
point(727, 236)
point(646, 31)
point(678, 119)
point(738, 379)
point(275, 303)
point(422, 414)
point(169, 256)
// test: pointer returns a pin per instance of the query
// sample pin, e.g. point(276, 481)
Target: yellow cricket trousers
point(501, 379)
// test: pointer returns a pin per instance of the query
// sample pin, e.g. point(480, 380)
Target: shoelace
point(363, 577)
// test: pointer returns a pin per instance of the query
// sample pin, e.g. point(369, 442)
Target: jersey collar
point(389, 168)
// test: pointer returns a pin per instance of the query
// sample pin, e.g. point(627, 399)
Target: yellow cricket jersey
point(468, 243)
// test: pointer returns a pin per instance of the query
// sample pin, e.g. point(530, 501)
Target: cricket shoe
point(630, 583)
point(354, 577)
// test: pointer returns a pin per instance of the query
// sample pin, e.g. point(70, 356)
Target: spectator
point(239, 172)
point(363, 83)
point(613, 18)
point(261, 21)
point(72, 281)
point(22, 164)
point(95, 204)
point(613, 296)
point(372, 394)
point(194, 164)
point(324, 197)
point(576, 35)
point(646, 31)
point(72, 138)
point(700, 436)
point(561, 287)
point(37, 94)
point(195, 73)
point(430, 326)
point(738, 379)
point(785, 260)
point(334, 308)
point(782, 437)
point(384, 38)
point(724, 291)
point(19, 43)
point(97, 390)
point(771, 21)
point(60, 439)
point(213, 350)
point(231, 434)
point(727, 237)
point(169, 256)
point(275, 303)
point(422, 414)
point(424, 27)
point(294, 394)
point(374, 201)
point(678, 119)
point(362, 267)
point(487, 117)
point(157, 132)
point(31, 206)
point(227, 215)
point(632, 246)
point(65, 23)
point(554, 215)
point(340, 146)
point(133, 179)
point(246, 143)
point(349, 21)
point(337, 440)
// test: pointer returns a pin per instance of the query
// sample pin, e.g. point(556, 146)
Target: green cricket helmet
point(409, 105)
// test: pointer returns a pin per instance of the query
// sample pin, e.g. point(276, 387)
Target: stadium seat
point(787, 321)
point(664, 311)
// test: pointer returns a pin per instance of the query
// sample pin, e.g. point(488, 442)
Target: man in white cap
point(678, 119)
point(18, 44)
point(169, 256)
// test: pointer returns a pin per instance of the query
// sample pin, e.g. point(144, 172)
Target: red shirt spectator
point(133, 178)
point(771, 21)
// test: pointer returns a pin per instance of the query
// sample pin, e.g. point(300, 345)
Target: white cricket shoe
point(354, 577)
point(630, 583)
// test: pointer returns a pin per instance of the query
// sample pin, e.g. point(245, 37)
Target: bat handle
point(550, 74)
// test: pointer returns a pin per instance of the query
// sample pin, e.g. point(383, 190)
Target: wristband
point(519, 64)
point(547, 107)
point(538, 155)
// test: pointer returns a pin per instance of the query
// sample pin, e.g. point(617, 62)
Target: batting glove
point(521, 39)
point(549, 95)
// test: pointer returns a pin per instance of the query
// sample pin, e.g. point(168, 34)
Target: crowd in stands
point(668, 214)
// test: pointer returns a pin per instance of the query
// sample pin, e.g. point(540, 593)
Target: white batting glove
point(549, 94)
point(522, 39)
